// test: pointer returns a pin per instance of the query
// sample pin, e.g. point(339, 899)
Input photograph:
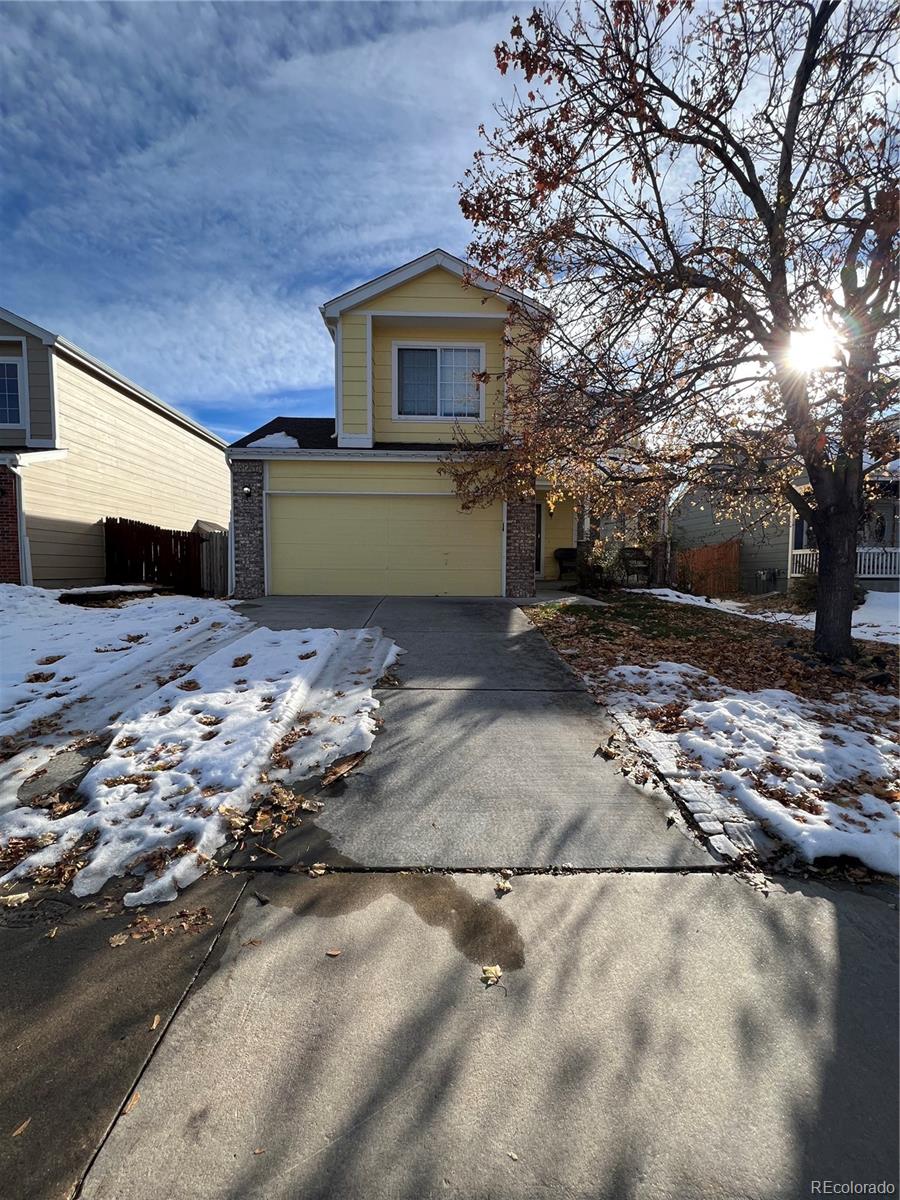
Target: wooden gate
point(710, 570)
point(188, 561)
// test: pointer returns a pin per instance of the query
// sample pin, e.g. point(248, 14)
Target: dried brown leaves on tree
point(687, 188)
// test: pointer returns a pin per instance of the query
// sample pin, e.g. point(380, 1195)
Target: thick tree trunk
point(837, 575)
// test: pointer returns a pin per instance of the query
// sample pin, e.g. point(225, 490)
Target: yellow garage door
point(382, 545)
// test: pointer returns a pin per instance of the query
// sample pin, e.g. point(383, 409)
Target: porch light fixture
point(248, 491)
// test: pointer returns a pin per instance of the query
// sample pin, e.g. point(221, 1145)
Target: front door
point(538, 548)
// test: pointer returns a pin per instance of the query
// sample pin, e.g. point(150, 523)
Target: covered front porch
point(878, 552)
point(872, 562)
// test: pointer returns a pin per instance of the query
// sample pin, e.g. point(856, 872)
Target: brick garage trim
point(520, 547)
point(248, 528)
point(10, 547)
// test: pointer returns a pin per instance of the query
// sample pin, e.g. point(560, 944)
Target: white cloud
point(210, 176)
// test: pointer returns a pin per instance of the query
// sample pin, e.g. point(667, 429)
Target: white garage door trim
point(318, 492)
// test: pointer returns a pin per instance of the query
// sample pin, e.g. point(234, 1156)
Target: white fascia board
point(37, 331)
point(248, 452)
point(29, 458)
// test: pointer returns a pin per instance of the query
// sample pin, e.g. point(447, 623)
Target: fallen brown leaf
point(333, 953)
point(119, 939)
point(341, 766)
point(132, 1101)
point(154, 1024)
point(21, 1129)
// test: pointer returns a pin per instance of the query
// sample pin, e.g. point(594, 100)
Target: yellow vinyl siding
point(331, 475)
point(460, 333)
point(436, 290)
point(466, 316)
point(124, 460)
point(354, 391)
point(558, 532)
point(344, 531)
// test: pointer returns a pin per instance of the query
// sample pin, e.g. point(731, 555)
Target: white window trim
point(22, 363)
point(439, 420)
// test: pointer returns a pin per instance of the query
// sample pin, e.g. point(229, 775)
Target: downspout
point(24, 548)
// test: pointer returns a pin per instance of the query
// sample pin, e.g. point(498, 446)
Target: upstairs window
point(438, 382)
point(10, 404)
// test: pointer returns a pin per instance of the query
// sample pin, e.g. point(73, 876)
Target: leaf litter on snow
point(190, 764)
point(805, 749)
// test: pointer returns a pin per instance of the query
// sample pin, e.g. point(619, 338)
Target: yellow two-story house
point(355, 504)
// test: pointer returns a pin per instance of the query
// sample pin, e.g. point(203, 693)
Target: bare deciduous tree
point(707, 199)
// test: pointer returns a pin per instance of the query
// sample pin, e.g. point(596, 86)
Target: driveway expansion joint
point(711, 868)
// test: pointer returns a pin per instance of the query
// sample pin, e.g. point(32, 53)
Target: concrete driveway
point(486, 758)
point(660, 1030)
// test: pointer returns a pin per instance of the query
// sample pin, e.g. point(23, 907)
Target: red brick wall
point(9, 529)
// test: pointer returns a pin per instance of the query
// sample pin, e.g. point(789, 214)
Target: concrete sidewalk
point(656, 1035)
point(77, 1023)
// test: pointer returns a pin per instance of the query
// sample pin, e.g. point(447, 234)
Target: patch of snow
point(275, 441)
point(205, 741)
point(105, 588)
point(95, 651)
point(824, 776)
point(876, 620)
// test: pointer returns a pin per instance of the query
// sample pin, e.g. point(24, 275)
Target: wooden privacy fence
point(710, 570)
point(193, 561)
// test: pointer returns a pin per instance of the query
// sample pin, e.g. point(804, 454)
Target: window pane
point(417, 383)
point(458, 390)
point(9, 394)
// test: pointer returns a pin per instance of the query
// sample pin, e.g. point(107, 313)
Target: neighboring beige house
point(356, 504)
point(79, 442)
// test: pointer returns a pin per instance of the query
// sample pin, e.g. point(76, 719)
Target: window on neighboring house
point(438, 381)
point(10, 406)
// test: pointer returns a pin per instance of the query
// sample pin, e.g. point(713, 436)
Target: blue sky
point(185, 184)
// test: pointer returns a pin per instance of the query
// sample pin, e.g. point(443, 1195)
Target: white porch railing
point(872, 562)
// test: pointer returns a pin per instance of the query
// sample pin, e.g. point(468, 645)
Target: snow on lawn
point(269, 706)
point(54, 655)
point(824, 776)
point(876, 620)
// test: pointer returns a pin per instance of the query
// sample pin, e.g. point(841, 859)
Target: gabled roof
point(332, 309)
point(57, 342)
